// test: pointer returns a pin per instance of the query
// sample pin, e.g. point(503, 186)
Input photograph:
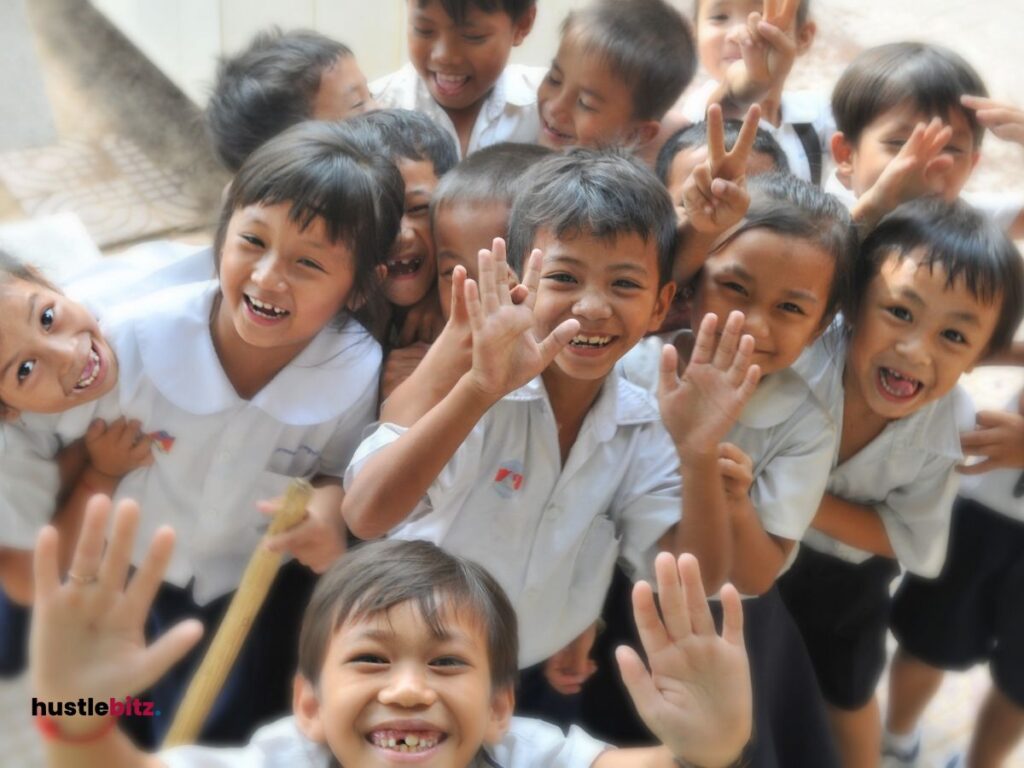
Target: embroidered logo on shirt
point(509, 478)
point(163, 440)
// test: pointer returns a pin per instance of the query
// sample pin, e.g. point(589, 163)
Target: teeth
point(898, 385)
point(582, 340)
point(266, 308)
point(400, 741)
point(450, 79)
point(90, 372)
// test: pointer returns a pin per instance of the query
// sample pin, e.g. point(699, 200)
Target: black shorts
point(972, 613)
point(842, 610)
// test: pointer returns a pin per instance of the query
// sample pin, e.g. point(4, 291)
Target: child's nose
point(914, 349)
point(592, 305)
point(64, 351)
point(268, 272)
point(445, 51)
point(407, 688)
point(755, 324)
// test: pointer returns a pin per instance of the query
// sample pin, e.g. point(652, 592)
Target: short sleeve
point(534, 744)
point(348, 433)
point(649, 501)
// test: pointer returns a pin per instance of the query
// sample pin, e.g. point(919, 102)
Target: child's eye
point(552, 79)
point(561, 277)
point(584, 106)
point(311, 264)
point(718, 18)
point(252, 240)
point(735, 287)
point(475, 39)
point(951, 150)
point(422, 31)
point(788, 306)
point(46, 319)
point(955, 336)
point(448, 661)
point(627, 284)
point(417, 210)
point(25, 370)
point(900, 313)
point(896, 144)
point(368, 658)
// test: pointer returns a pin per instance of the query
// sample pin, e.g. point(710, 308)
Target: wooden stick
point(220, 657)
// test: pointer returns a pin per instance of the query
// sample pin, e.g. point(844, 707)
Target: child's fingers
point(114, 568)
point(978, 439)
point(96, 429)
point(737, 372)
point(473, 307)
point(979, 102)
point(749, 385)
point(488, 282)
point(776, 37)
point(730, 195)
point(740, 152)
point(728, 345)
point(531, 277)
point(146, 580)
point(668, 373)
point(653, 636)
point(557, 340)
point(85, 563)
point(638, 682)
point(716, 138)
point(501, 271)
point(734, 453)
point(672, 598)
point(704, 345)
point(458, 306)
point(696, 600)
point(46, 578)
point(168, 649)
point(732, 615)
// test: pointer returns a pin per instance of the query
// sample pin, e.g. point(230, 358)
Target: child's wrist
point(75, 730)
point(95, 480)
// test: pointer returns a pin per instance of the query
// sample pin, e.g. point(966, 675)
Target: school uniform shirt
point(1001, 209)
point(509, 112)
point(995, 489)
point(907, 473)
point(811, 108)
point(216, 454)
point(527, 744)
point(549, 534)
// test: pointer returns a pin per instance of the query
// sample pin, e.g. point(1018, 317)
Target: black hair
point(412, 136)
point(964, 243)
point(490, 175)
point(266, 88)
point(930, 77)
point(645, 43)
point(335, 171)
point(789, 206)
point(802, 12)
point(377, 576)
point(459, 9)
point(597, 193)
point(696, 135)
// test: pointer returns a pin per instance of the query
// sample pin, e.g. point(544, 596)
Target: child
point(281, 79)
point(748, 56)
point(468, 210)
point(423, 153)
point(620, 65)
point(911, 117)
point(581, 454)
point(969, 613)
point(458, 72)
point(938, 289)
point(407, 655)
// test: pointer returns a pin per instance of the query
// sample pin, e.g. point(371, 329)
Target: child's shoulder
point(530, 743)
point(278, 745)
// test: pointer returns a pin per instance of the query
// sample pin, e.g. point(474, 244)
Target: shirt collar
point(178, 357)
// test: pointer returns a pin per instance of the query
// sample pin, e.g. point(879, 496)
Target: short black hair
point(597, 193)
point(964, 243)
point(788, 205)
point(337, 171)
point(696, 135)
point(459, 9)
point(930, 77)
point(412, 136)
point(266, 88)
point(645, 43)
point(802, 12)
point(489, 175)
point(377, 576)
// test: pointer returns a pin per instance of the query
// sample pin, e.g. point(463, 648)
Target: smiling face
point(280, 284)
point(861, 164)
point(392, 692)
point(610, 286)
point(719, 27)
point(780, 283)
point(411, 266)
point(461, 230)
point(460, 63)
point(583, 103)
point(52, 354)
point(914, 337)
point(342, 92)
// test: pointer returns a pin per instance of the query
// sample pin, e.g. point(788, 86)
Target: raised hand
point(1004, 120)
point(87, 633)
point(999, 439)
point(697, 696)
point(115, 449)
point(768, 49)
point(318, 540)
point(700, 407)
point(506, 353)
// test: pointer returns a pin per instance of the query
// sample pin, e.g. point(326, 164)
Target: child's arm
point(714, 198)
point(697, 697)
point(87, 635)
point(858, 525)
point(321, 538)
point(698, 410)
point(999, 439)
point(506, 355)
point(916, 171)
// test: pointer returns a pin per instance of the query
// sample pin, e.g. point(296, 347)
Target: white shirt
point(1001, 209)
point(995, 489)
point(907, 473)
point(509, 112)
point(551, 535)
point(527, 744)
point(796, 107)
point(216, 454)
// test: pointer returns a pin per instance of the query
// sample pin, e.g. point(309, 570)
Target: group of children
point(532, 327)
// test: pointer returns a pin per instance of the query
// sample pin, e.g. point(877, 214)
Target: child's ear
point(662, 306)
point(805, 37)
point(306, 707)
point(503, 703)
point(521, 27)
point(843, 153)
point(644, 132)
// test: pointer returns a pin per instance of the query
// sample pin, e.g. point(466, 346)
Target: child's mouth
point(590, 342)
point(556, 135)
point(450, 85)
point(91, 371)
point(896, 385)
point(264, 309)
point(406, 741)
point(399, 268)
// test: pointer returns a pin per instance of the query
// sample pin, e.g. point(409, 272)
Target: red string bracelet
point(50, 731)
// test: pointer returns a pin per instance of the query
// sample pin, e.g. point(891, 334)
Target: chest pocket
point(301, 460)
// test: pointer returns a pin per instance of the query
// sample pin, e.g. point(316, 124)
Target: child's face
point(411, 267)
point(781, 284)
point(280, 284)
point(686, 160)
point(460, 231)
point(52, 354)
point(914, 337)
point(342, 92)
point(461, 63)
point(610, 286)
point(719, 25)
point(582, 103)
point(862, 164)
point(389, 677)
